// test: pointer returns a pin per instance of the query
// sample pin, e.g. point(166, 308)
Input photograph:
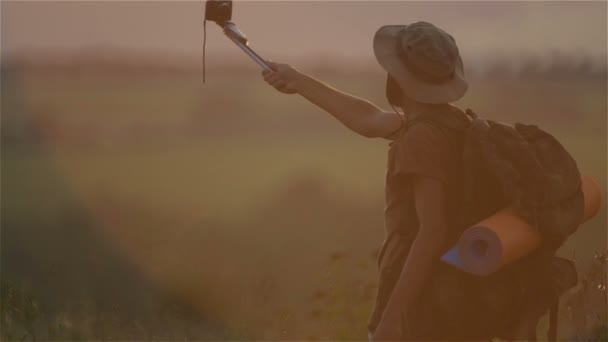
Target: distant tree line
point(556, 65)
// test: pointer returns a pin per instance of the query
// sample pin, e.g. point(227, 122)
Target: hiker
point(420, 298)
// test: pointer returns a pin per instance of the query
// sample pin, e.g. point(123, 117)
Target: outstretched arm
point(359, 115)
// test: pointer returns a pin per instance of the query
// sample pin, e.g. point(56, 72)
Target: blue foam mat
point(452, 257)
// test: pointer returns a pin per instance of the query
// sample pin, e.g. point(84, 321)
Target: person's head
point(423, 65)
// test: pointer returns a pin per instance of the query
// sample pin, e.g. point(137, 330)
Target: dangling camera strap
point(204, 45)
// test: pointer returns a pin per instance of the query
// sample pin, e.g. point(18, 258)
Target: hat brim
point(385, 50)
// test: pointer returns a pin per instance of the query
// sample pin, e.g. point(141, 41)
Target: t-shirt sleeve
point(424, 150)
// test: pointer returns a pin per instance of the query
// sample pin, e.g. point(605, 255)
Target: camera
point(219, 11)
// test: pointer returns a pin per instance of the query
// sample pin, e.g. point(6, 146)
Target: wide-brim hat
point(423, 59)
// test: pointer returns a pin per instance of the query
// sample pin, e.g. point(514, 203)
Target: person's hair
point(393, 91)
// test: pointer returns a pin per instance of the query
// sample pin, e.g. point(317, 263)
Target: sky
point(282, 30)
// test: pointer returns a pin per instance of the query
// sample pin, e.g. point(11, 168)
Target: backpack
point(526, 168)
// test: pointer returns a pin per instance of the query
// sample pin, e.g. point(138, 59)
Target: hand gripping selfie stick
point(220, 12)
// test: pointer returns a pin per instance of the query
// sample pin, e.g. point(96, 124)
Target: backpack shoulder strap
point(456, 121)
point(552, 332)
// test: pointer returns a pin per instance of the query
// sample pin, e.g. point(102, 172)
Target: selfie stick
point(233, 32)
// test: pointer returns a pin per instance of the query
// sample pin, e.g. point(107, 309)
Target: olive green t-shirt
point(421, 149)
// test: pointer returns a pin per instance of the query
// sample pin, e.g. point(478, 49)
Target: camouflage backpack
point(526, 168)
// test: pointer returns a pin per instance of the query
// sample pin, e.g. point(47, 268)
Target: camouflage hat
point(423, 59)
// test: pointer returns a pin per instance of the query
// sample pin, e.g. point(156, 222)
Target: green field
point(254, 210)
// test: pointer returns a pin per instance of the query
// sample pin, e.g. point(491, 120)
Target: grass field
point(222, 210)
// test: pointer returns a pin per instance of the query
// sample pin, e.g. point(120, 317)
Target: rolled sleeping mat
point(505, 237)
